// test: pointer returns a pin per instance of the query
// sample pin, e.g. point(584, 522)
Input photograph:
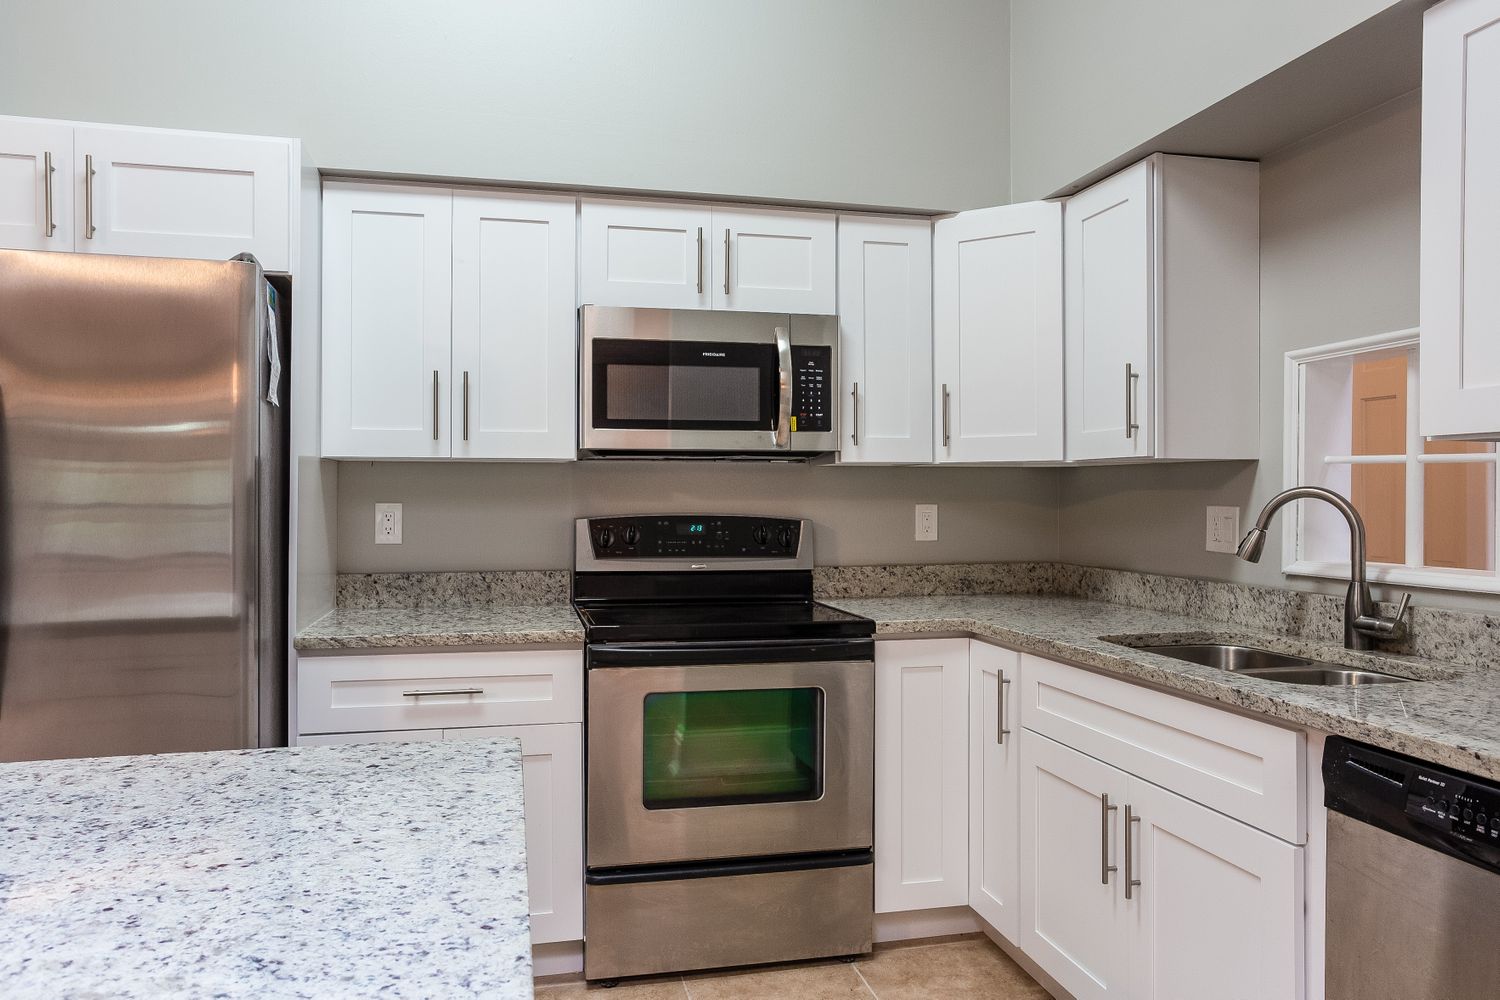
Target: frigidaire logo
point(713, 354)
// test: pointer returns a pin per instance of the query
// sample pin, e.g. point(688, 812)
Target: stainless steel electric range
point(730, 748)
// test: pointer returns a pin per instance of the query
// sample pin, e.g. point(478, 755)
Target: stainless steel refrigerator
point(142, 506)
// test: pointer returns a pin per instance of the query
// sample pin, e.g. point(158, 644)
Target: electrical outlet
point(926, 522)
point(1223, 529)
point(388, 524)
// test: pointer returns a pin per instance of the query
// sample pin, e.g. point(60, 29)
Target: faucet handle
point(1401, 608)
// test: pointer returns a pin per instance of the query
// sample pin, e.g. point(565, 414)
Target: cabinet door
point(386, 316)
point(28, 192)
point(552, 770)
point(1072, 911)
point(1218, 912)
point(998, 334)
point(921, 774)
point(1460, 298)
point(1110, 282)
point(885, 339)
point(641, 253)
point(994, 786)
point(178, 194)
point(767, 260)
point(514, 326)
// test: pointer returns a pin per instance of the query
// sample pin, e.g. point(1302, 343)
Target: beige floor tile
point(973, 969)
point(630, 989)
point(835, 981)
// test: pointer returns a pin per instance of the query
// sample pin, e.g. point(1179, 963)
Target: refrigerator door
point(128, 504)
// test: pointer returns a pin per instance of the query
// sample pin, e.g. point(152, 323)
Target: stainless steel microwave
point(699, 383)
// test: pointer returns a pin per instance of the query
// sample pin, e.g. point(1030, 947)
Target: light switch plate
point(1223, 529)
point(927, 522)
point(388, 524)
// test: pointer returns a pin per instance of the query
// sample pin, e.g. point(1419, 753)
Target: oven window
point(658, 394)
point(713, 748)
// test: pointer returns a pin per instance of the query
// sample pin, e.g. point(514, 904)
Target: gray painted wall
point(1091, 80)
point(840, 101)
point(1340, 222)
point(473, 516)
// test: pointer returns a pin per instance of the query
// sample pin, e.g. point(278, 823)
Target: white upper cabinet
point(1162, 279)
point(645, 253)
point(997, 334)
point(36, 185)
point(387, 281)
point(514, 326)
point(672, 255)
point(885, 339)
point(156, 193)
point(1460, 370)
point(770, 260)
point(994, 786)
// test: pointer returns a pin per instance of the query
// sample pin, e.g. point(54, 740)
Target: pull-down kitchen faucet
point(1363, 622)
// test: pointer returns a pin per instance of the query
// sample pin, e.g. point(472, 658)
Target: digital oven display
point(690, 527)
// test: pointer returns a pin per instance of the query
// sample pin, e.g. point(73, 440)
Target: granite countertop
point(487, 625)
point(391, 869)
point(1449, 718)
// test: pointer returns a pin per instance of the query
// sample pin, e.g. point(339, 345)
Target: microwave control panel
point(657, 536)
point(812, 389)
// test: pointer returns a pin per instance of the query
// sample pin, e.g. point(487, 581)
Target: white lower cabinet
point(921, 774)
point(994, 786)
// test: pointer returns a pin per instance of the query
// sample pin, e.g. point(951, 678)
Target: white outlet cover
point(927, 522)
point(1223, 529)
point(388, 524)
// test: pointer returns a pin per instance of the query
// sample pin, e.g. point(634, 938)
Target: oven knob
point(760, 534)
point(606, 538)
point(784, 536)
point(632, 535)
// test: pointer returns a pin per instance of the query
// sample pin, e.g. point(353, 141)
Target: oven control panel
point(669, 536)
point(812, 389)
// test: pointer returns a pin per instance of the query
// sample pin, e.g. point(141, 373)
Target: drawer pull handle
point(433, 692)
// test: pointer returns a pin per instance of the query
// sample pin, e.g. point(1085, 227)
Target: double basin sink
point(1252, 662)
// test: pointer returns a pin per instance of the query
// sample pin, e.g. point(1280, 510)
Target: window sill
point(1467, 581)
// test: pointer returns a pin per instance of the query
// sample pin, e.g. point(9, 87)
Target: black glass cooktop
point(716, 621)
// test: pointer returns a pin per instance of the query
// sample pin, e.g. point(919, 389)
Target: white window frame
point(1295, 407)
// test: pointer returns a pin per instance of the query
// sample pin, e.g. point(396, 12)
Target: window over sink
point(1428, 505)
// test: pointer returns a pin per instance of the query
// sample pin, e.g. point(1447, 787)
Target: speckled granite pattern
point(1453, 718)
point(388, 869)
point(943, 578)
point(493, 625)
point(369, 591)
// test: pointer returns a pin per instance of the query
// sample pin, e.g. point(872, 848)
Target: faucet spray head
point(1254, 543)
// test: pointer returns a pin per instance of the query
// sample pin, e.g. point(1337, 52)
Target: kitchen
point(1008, 482)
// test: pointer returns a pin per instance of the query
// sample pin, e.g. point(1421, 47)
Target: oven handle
point(690, 654)
point(781, 434)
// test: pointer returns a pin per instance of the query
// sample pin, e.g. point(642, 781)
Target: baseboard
point(557, 959)
point(936, 922)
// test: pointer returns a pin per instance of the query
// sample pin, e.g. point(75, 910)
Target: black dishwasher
point(1413, 878)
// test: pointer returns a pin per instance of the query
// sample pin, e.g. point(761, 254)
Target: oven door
point(736, 754)
point(659, 380)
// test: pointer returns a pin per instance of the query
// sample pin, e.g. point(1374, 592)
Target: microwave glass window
point(709, 748)
point(683, 393)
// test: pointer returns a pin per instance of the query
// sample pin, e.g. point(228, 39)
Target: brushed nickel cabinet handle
point(1130, 379)
point(1131, 818)
point(854, 424)
point(434, 404)
point(433, 692)
point(47, 171)
point(700, 260)
point(1001, 731)
point(1105, 868)
point(726, 262)
point(88, 196)
point(466, 406)
point(947, 423)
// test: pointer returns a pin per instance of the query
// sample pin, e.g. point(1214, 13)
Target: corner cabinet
point(998, 334)
point(448, 323)
point(885, 340)
point(1162, 279)
point(674, 255)
point(1460, 370)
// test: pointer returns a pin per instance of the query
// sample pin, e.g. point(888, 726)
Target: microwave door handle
point(781, 433)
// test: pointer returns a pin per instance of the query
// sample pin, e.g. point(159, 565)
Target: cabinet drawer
point(348, 694)
point(1238, 766)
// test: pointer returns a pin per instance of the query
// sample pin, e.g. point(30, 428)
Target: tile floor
point(968, 967)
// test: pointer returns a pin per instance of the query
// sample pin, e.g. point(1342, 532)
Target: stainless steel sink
point(1225, 656)
point(1253, 662)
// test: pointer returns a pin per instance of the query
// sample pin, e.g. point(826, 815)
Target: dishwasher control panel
point(1453, 805)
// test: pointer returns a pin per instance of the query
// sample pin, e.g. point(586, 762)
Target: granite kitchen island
point(391, 869)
